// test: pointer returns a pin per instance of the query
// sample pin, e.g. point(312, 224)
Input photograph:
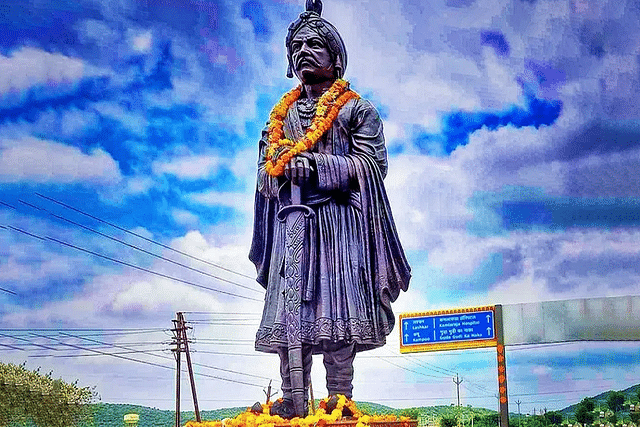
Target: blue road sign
point(448, 328)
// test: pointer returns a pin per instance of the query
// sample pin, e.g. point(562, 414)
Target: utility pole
point(190, 367)
point(268, 393)
point(182, 345)
point(519, 416)
point(457, 383)
point(312, 401)
point(502, 368)
point(177, 341)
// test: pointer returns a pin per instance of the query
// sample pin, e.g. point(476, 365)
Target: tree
point(412, 413)
point(553, 418)
point(615, 400)
point(488, 420)
point(588, 403)
point(584, 411)
point(29, 396)
point(448, 421)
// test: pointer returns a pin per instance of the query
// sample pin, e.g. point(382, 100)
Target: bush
point(584, 411)
point(448, 422)
point(412, 413)
point(615, 400)
point(553, 418)
point(29, 396)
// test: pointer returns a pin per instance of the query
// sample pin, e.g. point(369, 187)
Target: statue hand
point(299, 169)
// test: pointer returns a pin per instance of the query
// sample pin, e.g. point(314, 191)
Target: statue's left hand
point(299, 169)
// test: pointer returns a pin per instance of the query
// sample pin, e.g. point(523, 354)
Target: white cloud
point(142, 42)
point(34, 160)
point(188, 167)
point(239, 201)
point(30, 67)
point(230, 252)
point(185, 217)
point(159, 295)
point(428, 195)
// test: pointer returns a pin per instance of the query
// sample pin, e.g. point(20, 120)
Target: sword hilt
point(296, 194)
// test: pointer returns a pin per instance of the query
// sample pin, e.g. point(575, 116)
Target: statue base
point(354, 422)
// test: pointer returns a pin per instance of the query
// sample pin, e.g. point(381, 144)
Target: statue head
point(312, 22)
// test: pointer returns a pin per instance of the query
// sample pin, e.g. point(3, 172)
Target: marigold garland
point(319, 419)
point(280, 149)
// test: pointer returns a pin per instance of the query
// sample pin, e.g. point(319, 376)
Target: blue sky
point(128, 144)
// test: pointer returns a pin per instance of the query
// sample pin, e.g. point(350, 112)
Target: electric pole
point(519, 416)
point(177, 341)
point(182, 345)
point(457, 383)
point(268, 393)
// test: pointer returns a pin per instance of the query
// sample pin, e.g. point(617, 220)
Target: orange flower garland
point(322, 417)
point(281, 150)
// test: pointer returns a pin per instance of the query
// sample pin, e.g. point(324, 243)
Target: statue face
point(310, 57)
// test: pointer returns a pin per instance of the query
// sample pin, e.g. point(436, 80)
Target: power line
point(253, 289)
point(92, 354)
point(86, 329)
point(127, 264)
point(10, 346)
point(430, 366)
point(168, 358)
point(158, 365)
point(30, 343)
point(411, 370)
point(142, 237)
point(7, 290)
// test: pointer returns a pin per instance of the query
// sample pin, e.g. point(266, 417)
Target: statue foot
point(284, 408)
point(333, 404)
point(256, 408)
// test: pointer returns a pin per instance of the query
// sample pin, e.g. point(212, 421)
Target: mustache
point(307, 59)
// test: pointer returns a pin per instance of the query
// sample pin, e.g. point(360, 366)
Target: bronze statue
point(324, 241)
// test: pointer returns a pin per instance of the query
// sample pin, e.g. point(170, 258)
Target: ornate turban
point(311, 18)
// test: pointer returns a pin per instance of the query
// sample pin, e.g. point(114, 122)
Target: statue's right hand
point(298, 170)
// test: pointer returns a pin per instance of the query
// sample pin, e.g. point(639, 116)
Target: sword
point(295, 216)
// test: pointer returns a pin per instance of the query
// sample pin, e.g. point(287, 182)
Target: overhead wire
point(253, 289)
point(425, 365)
point(157, 364)
point(410, 370)
point(143, 237)
point(155, 355)
point(127, 264)
point(8, 290)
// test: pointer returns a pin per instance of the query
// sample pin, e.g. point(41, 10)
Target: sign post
point(502, 370)
point(448, 330)
point(455, 330)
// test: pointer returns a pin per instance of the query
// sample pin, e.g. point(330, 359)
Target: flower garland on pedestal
point(331, 410)
point(280, 149)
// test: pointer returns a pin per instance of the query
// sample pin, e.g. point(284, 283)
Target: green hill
point(630, 393)
point(112, 415)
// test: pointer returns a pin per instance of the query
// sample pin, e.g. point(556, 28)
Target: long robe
point(357, 265)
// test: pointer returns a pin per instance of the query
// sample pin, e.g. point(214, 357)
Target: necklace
point(281, 150)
